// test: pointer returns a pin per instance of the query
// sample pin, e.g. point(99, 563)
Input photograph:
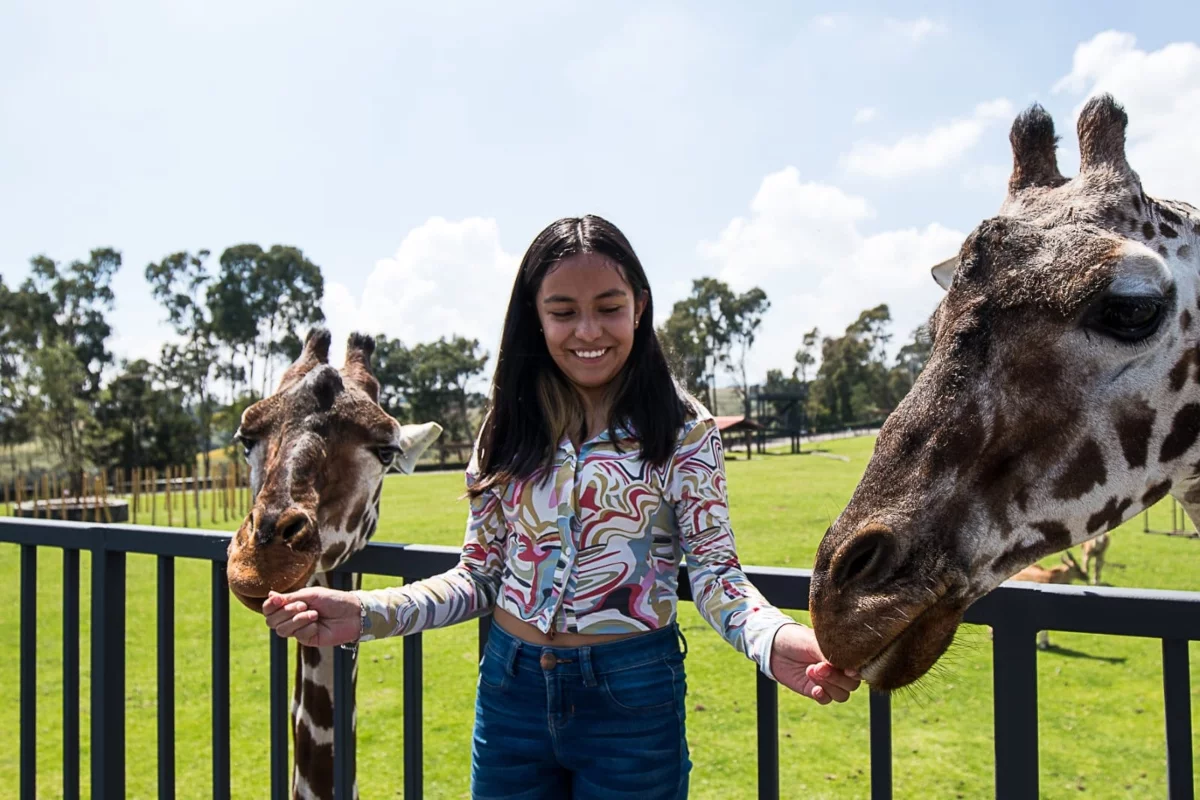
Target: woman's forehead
point(584, 276)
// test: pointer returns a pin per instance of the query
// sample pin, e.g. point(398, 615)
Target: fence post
point(1014, 681)
point(108, 672)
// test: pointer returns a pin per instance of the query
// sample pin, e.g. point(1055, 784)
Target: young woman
point(593, 476)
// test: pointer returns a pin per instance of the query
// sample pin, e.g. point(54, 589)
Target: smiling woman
point(594, 476)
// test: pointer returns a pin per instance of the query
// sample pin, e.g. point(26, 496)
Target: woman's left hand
point(797, 663)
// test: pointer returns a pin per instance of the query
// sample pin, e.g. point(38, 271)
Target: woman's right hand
point(315, 616)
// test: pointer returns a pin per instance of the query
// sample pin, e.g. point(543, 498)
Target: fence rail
point(1015, 611)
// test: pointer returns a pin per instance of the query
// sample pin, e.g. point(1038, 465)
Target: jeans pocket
point(493, 672)
point(649, 687)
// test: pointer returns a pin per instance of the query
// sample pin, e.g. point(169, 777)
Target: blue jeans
point(607, 721)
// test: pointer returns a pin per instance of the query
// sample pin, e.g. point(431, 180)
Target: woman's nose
point(588, 329)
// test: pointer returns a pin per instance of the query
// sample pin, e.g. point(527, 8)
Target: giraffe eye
point(387, 455)
point(1129, 319)
point(246, 442)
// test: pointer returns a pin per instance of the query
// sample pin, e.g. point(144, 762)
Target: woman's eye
point(612, 310)
point(1129, 319)
point(387, 455)
point(561, 314)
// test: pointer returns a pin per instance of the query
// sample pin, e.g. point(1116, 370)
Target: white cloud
point(447, 277)
point(1160, 90)
point(829, 21)
point(939, 147)
point(864, 115)
point(916, 30)
point(804, 244)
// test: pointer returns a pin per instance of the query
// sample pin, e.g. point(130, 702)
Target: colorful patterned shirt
point(593, 546)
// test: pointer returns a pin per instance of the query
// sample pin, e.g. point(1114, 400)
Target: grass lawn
point(1101, 719)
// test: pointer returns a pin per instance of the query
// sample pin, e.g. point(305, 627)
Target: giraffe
point(318, 450)
point(1059, 400)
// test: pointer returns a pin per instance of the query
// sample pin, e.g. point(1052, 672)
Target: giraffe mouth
point(914, 649)
point(253, 597)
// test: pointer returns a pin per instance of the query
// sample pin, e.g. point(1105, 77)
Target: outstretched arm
point(784, 650)
point(322, 617)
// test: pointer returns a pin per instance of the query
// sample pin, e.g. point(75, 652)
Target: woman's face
point(588, 313)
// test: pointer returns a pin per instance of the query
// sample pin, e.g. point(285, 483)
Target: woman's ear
point(639, 307)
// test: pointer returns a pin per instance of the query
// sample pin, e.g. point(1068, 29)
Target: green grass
point(1100, 698)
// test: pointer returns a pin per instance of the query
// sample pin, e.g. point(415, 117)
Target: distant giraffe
point(1061, 398)
point(318, 450)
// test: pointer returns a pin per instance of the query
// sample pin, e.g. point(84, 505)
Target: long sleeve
point(722, 592)
point(464, 592)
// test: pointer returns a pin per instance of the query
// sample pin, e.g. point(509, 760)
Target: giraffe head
point(1060, 399)
point(318, 450)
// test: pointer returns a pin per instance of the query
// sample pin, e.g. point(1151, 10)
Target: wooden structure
point(730, 427)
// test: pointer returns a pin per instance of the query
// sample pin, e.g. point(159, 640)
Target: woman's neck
point(596, 408)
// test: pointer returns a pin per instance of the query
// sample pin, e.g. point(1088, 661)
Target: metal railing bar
point(1014, 681)
point(1178, 713)
point(166, 677)
point(767, 697)
point(220, 681)
point(881, 746)
point(108, 673)
point(28, 646)
point(279, 716)
point(413, 722)
point(343, 699)
point(70, 674)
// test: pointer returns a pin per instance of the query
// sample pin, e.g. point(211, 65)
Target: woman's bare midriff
point(529, 633)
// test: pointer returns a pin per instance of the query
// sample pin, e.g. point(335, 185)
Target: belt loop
point(683, 639)
point(585, 667)
point(510, 658)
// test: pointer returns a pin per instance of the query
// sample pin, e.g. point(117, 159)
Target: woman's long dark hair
point(532, 403)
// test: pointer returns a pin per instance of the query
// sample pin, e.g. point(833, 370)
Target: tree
point(701, 330)
point(181, 282)
point(260, 305)
point(684, 350)
point(910, 361)
point(17, 339)
point(430, 381)
point(141, 424)
point(804, 356)
point(440, 374)
point(744, 314)
point(69, 304)
point(392, 365)
point(59, 412)
point(55, 338)
point(234, 324)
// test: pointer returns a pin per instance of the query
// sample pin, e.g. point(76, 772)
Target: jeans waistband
point(589, 660)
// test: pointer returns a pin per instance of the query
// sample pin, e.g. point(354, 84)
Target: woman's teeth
point(591, 354)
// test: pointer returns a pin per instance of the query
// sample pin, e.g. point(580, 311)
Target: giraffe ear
point(943, 273)
point(415, 440)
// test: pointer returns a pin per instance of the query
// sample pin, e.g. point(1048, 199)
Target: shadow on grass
point(1057, 650)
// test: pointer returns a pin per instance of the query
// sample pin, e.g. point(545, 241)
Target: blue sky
point(829, 154)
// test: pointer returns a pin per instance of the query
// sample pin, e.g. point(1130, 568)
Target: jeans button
point(548, 661)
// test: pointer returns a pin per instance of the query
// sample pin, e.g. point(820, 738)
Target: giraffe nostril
point(292, 528)
point(866, 559)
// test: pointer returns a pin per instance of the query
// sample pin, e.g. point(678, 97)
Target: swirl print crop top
point(593, 546)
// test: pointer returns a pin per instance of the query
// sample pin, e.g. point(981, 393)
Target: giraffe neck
point(312, 717)
point(312, 695)
point(1177, 240)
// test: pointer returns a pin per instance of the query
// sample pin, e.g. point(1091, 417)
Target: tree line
point(712, 330)
point(239, 318)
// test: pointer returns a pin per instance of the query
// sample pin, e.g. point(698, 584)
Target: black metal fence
point(1016, 613)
